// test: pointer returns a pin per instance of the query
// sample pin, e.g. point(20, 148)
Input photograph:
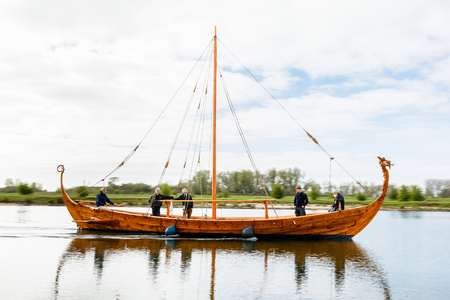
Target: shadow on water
point(339, 256)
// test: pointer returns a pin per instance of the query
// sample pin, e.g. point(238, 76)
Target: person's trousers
point(300, 211)
point(156, 211)
point(187, 213)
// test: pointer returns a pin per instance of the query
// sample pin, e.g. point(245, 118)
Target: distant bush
point(165, 189)
point(416, 194)
point(29, 200)
point(393, 193)
point(404, 194)
point(82, 191)
point(223, 194)
point(24, 189)
point(59, 200)
point(277, 191)
point(360, 196)
point(315, 191)
point(4, 200)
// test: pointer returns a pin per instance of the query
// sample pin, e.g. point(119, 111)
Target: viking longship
point(339, 224)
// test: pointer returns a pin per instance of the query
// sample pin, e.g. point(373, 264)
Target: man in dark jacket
point(102, 198)
point(300, 201)
point(156, 204)
point(339, 203)
point(187, 206)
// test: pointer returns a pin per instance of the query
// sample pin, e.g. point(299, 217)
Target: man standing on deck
point(156, 205)
point(102, 198)
point(187, 206)
point(300, 201)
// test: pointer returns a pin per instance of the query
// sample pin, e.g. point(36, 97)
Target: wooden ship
point(340, 224)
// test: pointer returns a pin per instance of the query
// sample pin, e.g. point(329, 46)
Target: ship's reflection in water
point(133, 267)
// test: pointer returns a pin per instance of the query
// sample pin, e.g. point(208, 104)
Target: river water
point(400, 255)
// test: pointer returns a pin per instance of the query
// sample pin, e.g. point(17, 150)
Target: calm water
point(400, 255)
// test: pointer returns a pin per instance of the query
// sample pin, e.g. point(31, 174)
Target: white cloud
point(81, 83)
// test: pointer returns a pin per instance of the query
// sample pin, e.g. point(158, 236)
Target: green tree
point(393, 193)
point(289, 179)
point(112, 183)
point(404, 194)
point(82, 191)
point(223, 181)
point(416, 193)
point(223, 194)
point(24, 189)
point(201, 182)
point(165, 189)
point(315, 191)
point(247, 181)
point(270, 178)
point(277, 191)
point(360, 196)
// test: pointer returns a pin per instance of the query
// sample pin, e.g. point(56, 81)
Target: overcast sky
point(81, 83)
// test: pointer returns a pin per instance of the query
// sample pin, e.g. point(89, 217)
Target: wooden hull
point(344, 224)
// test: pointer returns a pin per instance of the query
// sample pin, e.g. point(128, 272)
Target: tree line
point(278, 183)
point(437, 188)
point(23, 188)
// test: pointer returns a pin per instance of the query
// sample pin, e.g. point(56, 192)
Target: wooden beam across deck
point(247, 200)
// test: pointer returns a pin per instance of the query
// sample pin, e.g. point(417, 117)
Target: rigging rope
point(329, 182)
point(146, 134)
point(193, 127)
point(309, 135)
point(179, 132)
point(244, 141)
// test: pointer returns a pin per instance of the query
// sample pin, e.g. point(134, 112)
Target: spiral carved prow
point(384, 162)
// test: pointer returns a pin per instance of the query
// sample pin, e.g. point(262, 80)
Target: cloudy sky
point(82, 82)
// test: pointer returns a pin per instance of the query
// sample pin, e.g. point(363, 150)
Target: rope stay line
point(125, 160)
point(244, 141)
point(198, 112)
point(292, 117)
point(200, 125)
point(180, 127)
point(189, 104)
point(200, 146)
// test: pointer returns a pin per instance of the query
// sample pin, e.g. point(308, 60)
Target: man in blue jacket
point(300, 201)
point(102, 198)
point(339, 203)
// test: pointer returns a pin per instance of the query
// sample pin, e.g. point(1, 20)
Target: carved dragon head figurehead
point(384, 162)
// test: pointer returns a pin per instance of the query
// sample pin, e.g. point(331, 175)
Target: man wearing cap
point(300, 201)
point(102, 198)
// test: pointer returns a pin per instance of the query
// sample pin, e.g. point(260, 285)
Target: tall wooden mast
point(214, 179)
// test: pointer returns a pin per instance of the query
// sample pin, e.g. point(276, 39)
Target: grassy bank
point(430, 204)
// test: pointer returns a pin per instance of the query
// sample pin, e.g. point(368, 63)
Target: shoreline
point(310, 207)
